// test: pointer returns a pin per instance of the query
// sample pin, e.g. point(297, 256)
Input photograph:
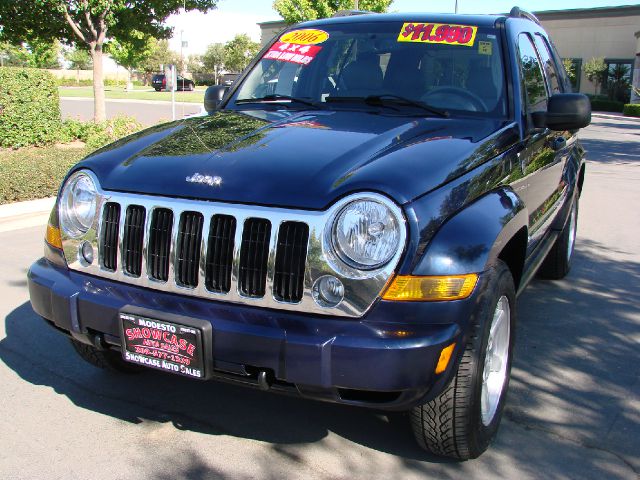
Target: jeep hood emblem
point(212, 181)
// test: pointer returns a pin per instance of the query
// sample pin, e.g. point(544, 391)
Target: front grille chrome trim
point(362, 287)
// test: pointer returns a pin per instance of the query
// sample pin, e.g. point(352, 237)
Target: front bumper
point(386, 359)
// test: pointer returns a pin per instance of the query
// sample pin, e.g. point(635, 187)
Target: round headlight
point(78, 205)
point(366, 234)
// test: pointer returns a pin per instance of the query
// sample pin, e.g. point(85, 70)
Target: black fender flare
point(471, 240)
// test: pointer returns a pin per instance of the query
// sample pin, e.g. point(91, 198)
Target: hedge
point(29, 107)
point(603, 104)
point(632, 110)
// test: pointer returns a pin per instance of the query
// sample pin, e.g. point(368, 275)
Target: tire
point(107, 359)
point(460, 423)
point(157, 89)
point(557, 263)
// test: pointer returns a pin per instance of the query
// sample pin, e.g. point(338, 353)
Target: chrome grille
point(137, 241)
point(220, 253)
point(133, 238)
point(109, 240)
point(253, 257)
point(291, 255)
point(188, 249)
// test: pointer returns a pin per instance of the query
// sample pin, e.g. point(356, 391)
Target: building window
point(617, 81)
point(574, 71)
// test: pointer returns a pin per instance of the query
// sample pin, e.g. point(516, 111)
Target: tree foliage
point(133, 52)
point(213, 59)
point(595, 70)
point(294, 11)
point(78, 58)
point(91, 22)
point(160, 55)
point(239, 52)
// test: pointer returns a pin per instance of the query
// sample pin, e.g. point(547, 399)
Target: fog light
point(86, 253)
point(328, 291)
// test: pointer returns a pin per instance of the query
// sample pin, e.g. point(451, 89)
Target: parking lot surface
point(573, 409)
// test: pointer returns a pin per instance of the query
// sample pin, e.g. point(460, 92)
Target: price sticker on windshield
point(442, 33)
point(292, 52)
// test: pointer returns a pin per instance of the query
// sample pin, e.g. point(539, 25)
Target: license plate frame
point(177, 347)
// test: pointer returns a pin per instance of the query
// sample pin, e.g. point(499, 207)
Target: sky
point(241, 16)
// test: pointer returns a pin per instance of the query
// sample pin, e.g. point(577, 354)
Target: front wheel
point(463, 420)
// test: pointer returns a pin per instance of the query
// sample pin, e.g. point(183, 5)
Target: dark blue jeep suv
point(351, 222)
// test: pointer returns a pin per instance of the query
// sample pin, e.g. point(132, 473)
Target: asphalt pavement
point(147, 112)
point(573, 410)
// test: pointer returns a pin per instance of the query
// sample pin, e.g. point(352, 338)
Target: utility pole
point(355, 4)
point(456, 10)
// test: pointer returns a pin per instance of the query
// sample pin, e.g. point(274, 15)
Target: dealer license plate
point(162, 345)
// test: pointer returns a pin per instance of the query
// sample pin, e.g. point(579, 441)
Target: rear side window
point(531, 78)
point(550, 70)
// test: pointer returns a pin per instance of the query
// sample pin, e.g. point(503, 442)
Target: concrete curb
point(613, 116)
point(125, 100)
point(43, 205)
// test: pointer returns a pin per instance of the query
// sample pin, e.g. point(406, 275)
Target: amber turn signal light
point(409, 288)
point(53, 236)
point(445, 356)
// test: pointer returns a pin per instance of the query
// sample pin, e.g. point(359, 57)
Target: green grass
point(32, 173)
point(139, 93)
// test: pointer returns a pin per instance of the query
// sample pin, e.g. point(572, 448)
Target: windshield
point(457, 68)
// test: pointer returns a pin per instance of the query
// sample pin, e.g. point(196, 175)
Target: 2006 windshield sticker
point(305, 36)
point(292, 52)
point(464, 35)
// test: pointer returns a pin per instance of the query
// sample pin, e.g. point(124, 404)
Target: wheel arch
point(493, 227)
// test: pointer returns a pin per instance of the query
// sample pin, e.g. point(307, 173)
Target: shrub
point(96, 135)
point(73, 82)
point(29, 107)
point(632, 110)
point(603, 104)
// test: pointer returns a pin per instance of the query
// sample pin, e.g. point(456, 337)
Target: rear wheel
point(106, 359)
point(557, 263)
point(462, 420)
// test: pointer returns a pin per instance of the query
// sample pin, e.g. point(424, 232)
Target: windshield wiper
point(390, 101)
point(398, 100)
point(276, 97)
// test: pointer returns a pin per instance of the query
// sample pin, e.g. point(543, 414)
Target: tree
point(132, 53)
point(160, 55)
point(570, 68)
point(595, 70)
point(194, 63)
point(294, 11)
point(91, 22)
point(43, 54)
point(13, 55)
point(239, 52)
point(214, 58)
point(78, 58)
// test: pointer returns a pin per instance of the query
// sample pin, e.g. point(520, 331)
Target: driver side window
point(531, 78)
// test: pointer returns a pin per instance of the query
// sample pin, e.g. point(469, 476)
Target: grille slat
point(253, 257)
point(133, 240)
point(160, 243)
point(219, 259)
point(291, 253)
point(188, 249)
point(109, 241)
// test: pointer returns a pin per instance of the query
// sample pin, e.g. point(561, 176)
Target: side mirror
point(213, 97)
point(565, 111)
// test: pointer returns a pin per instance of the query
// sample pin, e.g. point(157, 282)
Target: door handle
point(558, 143)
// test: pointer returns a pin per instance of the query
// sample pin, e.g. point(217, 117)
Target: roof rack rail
point(349, 13)
point(517, 12)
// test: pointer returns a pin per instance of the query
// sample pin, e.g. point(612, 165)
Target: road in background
point(147, 112)
point(572, 412)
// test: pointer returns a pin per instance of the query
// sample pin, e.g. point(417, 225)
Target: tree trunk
point(99, 110)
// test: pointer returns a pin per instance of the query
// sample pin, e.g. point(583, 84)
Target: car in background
point(159, 82)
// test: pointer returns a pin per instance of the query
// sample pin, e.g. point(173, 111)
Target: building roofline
point(595, 12)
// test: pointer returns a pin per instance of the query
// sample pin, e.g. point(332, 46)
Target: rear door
point(541, 157)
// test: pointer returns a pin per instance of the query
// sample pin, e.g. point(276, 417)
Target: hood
point(298, 159)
